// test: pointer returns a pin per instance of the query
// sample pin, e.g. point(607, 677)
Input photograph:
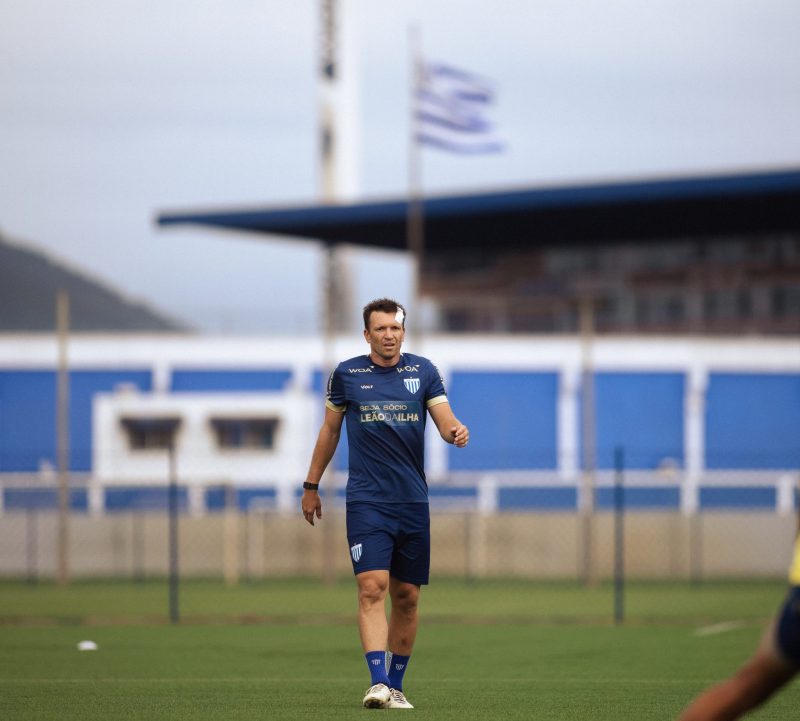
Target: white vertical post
point(487, 501)
point(437, 452)
point(96, 498)
point(339, 126)
point(784, 494)
point(694, 437)
point(196, 499)
point(567, 419)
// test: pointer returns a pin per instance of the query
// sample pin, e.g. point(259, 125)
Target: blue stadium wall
point(28, 407)
point(751, 419)
point(750, 423)
point(28, 414)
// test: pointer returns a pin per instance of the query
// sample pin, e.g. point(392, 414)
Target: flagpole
point(415, 218)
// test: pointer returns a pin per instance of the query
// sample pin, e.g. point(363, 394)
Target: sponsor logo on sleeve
point(408, 369)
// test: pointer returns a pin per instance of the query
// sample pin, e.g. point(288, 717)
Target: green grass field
point(287, 650)
point(298, 601)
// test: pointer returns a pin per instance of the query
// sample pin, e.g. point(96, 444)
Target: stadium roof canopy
point(708, 206)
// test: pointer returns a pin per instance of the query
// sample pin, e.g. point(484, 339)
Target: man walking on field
point(385, 396)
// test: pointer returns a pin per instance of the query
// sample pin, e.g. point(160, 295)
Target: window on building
point(149, 434)
point(642, 311)
point(245, 433)
point(674, 309)
point(726, 251)
point(722, 304)
point(785, 301)
point(744, 303)
point(659, 309)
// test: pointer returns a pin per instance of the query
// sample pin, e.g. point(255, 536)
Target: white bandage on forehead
point(399, 316)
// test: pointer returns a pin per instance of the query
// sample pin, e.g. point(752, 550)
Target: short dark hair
point(382, 305)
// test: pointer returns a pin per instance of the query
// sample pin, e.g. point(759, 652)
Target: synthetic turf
point(543, 672)
point(289, 650)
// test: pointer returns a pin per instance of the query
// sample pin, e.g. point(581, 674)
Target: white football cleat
point(397, 699)
point(377, 696)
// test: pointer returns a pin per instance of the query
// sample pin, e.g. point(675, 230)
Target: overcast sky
point(112, 111)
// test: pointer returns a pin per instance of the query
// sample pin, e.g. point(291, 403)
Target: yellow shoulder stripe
point(794, 570)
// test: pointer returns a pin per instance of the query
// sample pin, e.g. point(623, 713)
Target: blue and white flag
point(452, 111)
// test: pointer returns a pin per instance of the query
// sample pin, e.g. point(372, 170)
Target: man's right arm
point(324, 449)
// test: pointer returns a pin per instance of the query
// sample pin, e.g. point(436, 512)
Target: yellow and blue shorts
point(787, 632)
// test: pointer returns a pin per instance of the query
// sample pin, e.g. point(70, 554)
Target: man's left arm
point(450, 428)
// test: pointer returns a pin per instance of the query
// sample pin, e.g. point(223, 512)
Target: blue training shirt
point(386, 409)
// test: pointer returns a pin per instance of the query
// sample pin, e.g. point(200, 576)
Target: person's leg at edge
point(372, 624)
point(402, 628)
point(749, 687)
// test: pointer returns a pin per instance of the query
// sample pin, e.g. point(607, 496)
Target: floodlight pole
point(339, 139)
point(415, 212)
point(328, 364)
point(62, 436)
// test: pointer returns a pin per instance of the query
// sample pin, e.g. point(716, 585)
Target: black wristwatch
point(310, 486)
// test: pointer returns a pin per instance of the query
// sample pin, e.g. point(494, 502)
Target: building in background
point(711, 264)
point(708, 255)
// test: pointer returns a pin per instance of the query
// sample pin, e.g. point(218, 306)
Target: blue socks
point(397, 668)
point(376, 660)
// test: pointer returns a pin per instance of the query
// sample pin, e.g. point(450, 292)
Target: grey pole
point(62, 437)
point(619, 535)
point(174, 612)
point(587, 489)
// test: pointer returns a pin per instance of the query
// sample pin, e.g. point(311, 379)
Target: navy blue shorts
point(788, 627)
point(394, 537)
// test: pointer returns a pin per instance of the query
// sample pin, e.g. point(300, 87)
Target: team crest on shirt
point(355, 552)
point(412, 384)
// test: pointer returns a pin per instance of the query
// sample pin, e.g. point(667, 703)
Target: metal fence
point(522, 531)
